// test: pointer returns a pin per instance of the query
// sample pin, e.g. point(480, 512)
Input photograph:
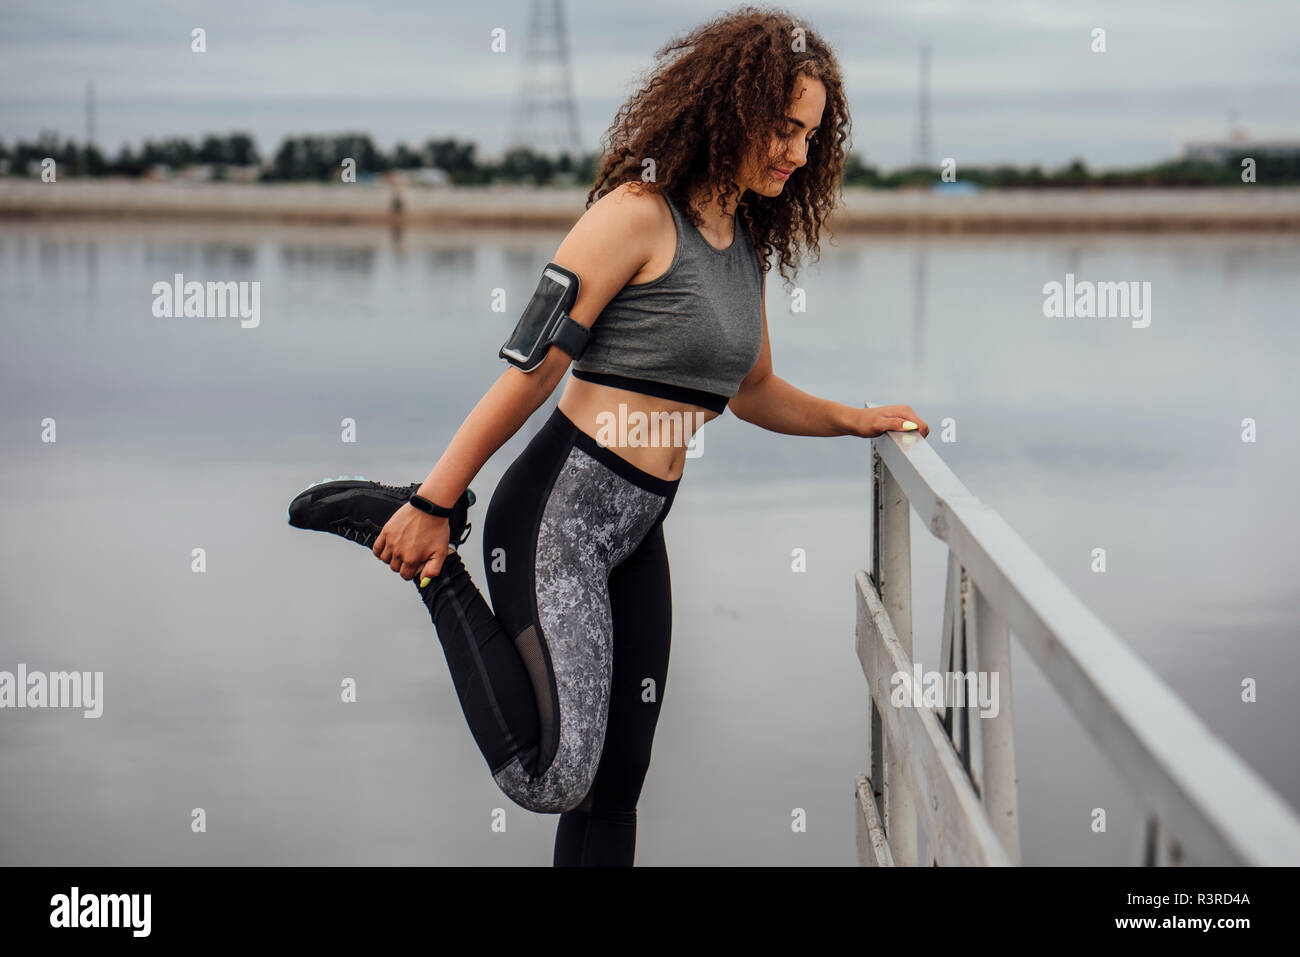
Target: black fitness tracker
point(424, 505)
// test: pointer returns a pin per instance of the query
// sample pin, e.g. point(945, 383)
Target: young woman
point(732, 148)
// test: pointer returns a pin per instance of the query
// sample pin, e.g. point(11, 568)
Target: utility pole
point(90, 113)
point(923, 111)
point(546, 115)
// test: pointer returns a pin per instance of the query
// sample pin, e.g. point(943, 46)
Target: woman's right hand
point(414, 541)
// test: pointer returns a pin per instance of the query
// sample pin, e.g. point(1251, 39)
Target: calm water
point(222, 688)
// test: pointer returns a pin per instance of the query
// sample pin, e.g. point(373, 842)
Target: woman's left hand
point(890, 418)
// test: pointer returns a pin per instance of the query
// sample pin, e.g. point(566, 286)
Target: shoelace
point(405, 490)
point(354, 531)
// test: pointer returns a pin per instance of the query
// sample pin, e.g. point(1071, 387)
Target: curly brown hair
point(722, 88)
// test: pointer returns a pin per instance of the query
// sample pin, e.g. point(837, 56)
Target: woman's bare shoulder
point(621, 228)
point(610, 244)
point(634, 204)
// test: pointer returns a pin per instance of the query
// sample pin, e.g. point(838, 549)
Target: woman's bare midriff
point(611, 416)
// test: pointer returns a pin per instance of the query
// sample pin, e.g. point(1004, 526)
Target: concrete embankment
point(1243, 208)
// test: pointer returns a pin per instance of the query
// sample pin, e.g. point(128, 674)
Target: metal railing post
point(892, 573)
point(996, 780)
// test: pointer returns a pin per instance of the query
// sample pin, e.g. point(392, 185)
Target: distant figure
point(395, 204)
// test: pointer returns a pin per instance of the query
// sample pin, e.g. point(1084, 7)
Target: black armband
point(546, 321)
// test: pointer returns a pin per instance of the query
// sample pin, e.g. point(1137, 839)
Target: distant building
point(1225, 151)
point(434, 176)
point(244, 174)
point(195, 173)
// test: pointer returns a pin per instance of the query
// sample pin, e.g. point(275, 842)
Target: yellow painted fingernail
point(425, 581)
point(909, 426)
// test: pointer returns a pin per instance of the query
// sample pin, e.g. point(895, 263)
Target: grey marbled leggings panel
point(565, 514)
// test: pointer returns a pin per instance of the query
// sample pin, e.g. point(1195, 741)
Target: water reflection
point(920, 271)
point(311, 257)
point(207, 254)
point(453, 260)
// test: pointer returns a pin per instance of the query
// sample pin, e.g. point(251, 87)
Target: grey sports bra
point(690, 335)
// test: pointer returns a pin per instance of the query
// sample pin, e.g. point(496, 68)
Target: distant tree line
point(238, 149)
point(320, 158)
point(300, 158)
point(1273, 170)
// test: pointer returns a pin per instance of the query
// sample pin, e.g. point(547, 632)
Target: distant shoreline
point(1256, 208)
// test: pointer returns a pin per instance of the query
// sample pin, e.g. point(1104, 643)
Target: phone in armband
point(546, 321)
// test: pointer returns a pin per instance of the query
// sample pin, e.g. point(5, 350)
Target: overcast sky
point(1012, 80)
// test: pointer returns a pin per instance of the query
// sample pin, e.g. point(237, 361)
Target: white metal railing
point(946, 774)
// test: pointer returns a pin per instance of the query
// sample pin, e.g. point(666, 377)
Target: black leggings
point(561, 686)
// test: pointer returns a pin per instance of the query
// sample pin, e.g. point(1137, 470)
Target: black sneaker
point(358, 510)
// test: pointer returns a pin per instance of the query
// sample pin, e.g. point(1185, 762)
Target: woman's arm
point(504, 408)
point(772, 403)
point(606, 248)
